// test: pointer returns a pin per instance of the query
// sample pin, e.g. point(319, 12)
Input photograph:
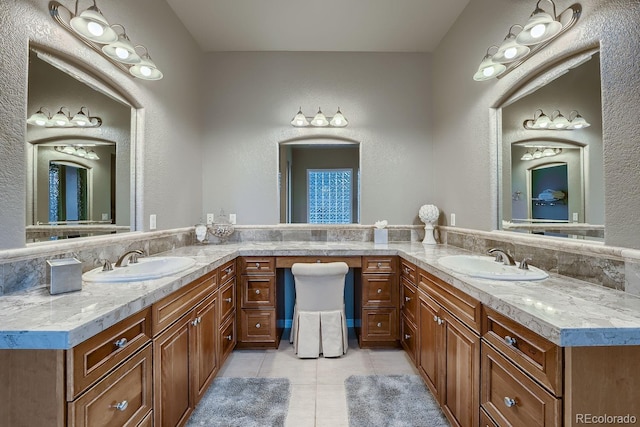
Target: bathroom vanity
point(492, 352)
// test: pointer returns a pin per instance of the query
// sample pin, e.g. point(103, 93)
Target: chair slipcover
point(319, 319)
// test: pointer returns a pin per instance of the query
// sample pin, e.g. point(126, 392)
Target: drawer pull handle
point(257, 291)
point(440, 321)
point(196, 321)
point(121, 406)
point(406, 270)
point(407, 336)
point(379, 325)
point(258, 325)
point(257, 265)
point(120, 343)
point(510, 341)
point(435, 318)
point(318, 261)
point(379, 290)
point(229, 337)
point(510, 402)
point(227, 270)
point(379, 265)
point(228, 299)
point(407, 299)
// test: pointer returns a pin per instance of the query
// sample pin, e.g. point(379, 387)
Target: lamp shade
point(60, 119)
point(146, 69)
point(488, 69)
point(91, 25)
point(338, 120)
point(81, 119)
point(540, 27)
point(319, 119)
point(38, 119)
point(91, 155)
point(527, 156)
point(122, 50)
point(548, 152)
point(559, 122)
point(299, 120)
point(541, 122)
point(578, 122)
point(510, 50)
point(69, 149)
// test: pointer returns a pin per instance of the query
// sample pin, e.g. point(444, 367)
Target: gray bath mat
point(243, 402)
point(391, 401)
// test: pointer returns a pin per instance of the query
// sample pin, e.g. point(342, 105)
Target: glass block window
point(54, 192)
point(329, 192)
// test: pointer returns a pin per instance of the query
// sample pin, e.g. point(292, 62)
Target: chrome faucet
point(502, 256)
point(129, 257)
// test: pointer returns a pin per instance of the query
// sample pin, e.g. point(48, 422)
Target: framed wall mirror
point(69, 193)
point(552, 177)
point(319, 181)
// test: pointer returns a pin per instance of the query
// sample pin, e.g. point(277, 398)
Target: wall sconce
point(78, 151)
point(540, 152)
point(319, 120)
point(64, 120)
point(111, 41)
point(523, 41)
point(557, 121)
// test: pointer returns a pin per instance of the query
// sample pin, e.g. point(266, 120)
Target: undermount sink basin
point(485, 267)
point(144, 269)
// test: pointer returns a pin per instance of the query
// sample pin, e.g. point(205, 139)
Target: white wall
point(249, 99)
point(464, 134)
point(169, 178)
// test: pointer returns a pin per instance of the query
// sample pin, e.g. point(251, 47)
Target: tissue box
point(64, 275)
point(380, 236)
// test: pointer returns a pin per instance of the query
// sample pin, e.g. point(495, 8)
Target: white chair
point(319, 319)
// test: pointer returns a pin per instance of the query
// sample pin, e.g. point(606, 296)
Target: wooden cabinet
point(449, 350)
point(258, 314)
point(408, 308)
point(227, 336)
point(378, 302)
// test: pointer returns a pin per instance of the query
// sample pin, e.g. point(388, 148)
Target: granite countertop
point(566, 311)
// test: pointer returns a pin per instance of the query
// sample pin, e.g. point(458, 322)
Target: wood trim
point(288, 261)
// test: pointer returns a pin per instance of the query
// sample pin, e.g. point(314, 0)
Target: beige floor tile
point(243, 363)
point(302, 406)
point(331, 405)
point(392, 362)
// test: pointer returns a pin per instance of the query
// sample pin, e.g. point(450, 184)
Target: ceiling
point(312, 25)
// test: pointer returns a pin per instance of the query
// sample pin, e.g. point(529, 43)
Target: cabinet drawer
point(258, 291)
point(90, 360)
point(227, 299)
point(408, 270)
point(379, 290)
point(463, 306)
point(258, 265)
point(174, 306)
point(537, 356)
point(288, 261)
point(226, 272)
point(380, 324)
point(512, 398)
point(148, 421)
point(408, 338)
point(258, 326)
point(409, 300)
point(385, 264)
point(485, 420)
point(122, 398)
point(228, 338)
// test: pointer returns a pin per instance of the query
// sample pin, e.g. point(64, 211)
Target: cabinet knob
point(197, 320)
point(318, 261)
point(258, 325)
point(379, 290)
point(406, 270)
point(228, 299)
point(229, 337)
point(435, 318)
point(510, 341)
point(379, 325)
point(379, 265)
point(120, 343)
point(121, 406)
point(257, 265)
point(257, 291)
point(227, 270)
point(510, 402)
point(440, 321)
point(407, 336)
point(407, 299)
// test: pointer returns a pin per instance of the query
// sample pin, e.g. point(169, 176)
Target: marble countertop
point(566, 311)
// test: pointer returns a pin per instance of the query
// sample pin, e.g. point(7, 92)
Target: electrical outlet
point(209, 219)
point(453, 220)
point(232, 218)
point(575, 217)
point(152, 222)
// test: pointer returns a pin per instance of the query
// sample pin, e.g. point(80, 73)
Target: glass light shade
point(91, 25)
point(540, 27)
point(527, 156)
point(122, 51)
point(548, 152)
point(80, 120)
point(60, 120)
point(542, 122)
point(80, 151)
point(299, 120)
point(146, 69)
point(38, 119)
point(537, 154)
point(338, 120)
point(578, 123)
point(91, 155)
point(559, 122)
point(510, 50)
point(319, 120)
point(69, 149)
point(488, 69)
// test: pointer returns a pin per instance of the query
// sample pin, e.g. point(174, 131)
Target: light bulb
point(95, 29)
point(510, 53)
point(41, 122)
point(488, 72)
point(145, 71)
point(122, 53)
point(537, 31)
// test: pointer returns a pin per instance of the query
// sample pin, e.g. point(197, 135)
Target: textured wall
point(169, 173)
point(249, 100)
point(465, 133)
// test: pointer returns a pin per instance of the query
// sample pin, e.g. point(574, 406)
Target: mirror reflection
point(319, 182)
point(78, 179)
point(552, 179)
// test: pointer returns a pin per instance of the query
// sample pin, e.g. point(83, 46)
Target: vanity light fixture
point(78, 151)
point(523, 41)
point(556, 122)
point(61, 119)
point(111, 41)
point(319, 120)
point(540, 152)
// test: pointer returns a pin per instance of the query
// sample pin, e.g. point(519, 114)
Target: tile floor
point(317, 385)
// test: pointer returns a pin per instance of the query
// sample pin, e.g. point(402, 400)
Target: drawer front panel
point(408, 338)
point(409, 301)
point(226, 272)
point(122, 398)
point(485, 420)
point(258, 326)
point(385, 264)
point(408, 270)
point(288, 261)
point(228, 338)
point(91, 359)
point(512, 398)
point(258, 291)
point(380, 324)
point(258, 265)
point(463, 306)
point(379, 290)
point(227, 299)
point(174, 306)
point(537, 356)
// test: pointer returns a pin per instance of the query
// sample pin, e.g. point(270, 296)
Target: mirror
point(319, 181)
point(561, 192)
point(69, 195)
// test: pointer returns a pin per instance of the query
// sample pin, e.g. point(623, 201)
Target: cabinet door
point(205, 334)
point(172, 381)
point(429, 343)
point(460, 397)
